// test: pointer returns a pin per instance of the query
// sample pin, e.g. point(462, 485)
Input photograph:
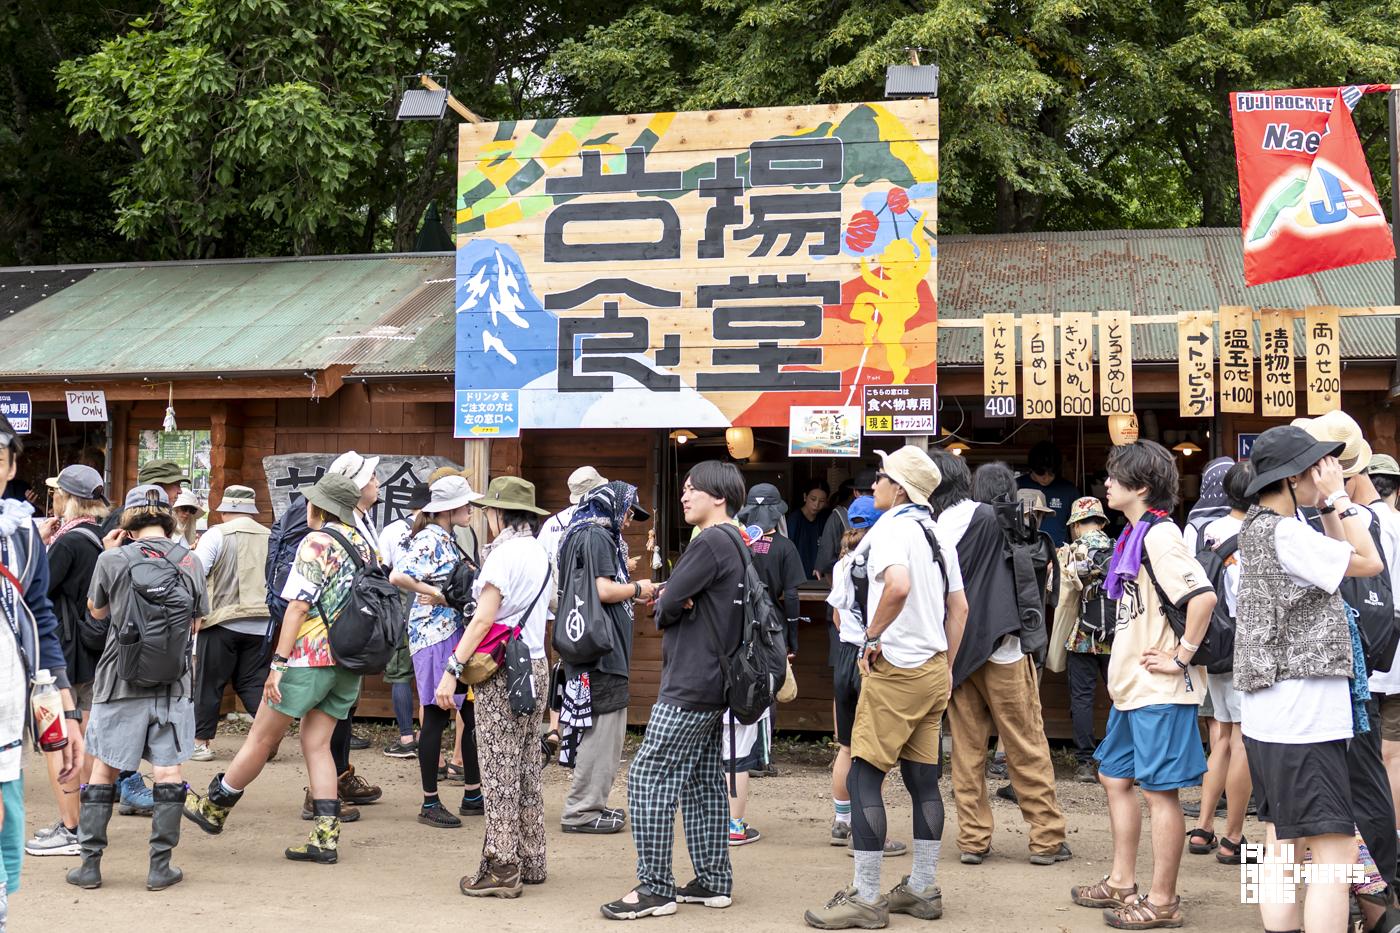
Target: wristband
point(1180, 663)
point(1190, 647)
point(1332, 499)
point(279, 666)
point(74, 714)
point(636, 590)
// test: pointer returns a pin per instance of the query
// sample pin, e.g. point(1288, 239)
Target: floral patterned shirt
point(321, 576)
point(429, 558)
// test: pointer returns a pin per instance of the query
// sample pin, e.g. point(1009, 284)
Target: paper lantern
point(1123, 429)
point(740, 442)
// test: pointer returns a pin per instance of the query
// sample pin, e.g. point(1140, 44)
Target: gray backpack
point(156, 621)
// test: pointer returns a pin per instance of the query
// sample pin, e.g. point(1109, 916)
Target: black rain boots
point(93, 816)
point(165, 836)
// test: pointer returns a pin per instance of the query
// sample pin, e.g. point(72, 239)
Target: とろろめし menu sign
point(696, 268)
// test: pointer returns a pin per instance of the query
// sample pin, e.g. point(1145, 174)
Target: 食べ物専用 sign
point(901, 409)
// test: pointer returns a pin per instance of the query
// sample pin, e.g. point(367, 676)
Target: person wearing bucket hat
point(1153, 737)
point(233, 642)
point(993, 680)
point(134, 718)
point(849, 589)
point(917, 610)
point(510, 590)
point(188, 510)
point(305, 682)
point(434, 627)
point(552, 531)
point(1295, 652)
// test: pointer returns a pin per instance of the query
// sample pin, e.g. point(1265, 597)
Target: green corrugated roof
point(222, 317)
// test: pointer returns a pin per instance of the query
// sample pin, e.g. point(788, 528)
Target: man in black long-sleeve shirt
point(700, 615)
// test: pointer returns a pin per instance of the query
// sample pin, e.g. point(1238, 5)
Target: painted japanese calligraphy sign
point(1038, 364)
point(1321, 335)
point(1115, 363)
point(1237, 359)
point(291, 474)
point(699, 269)
point(999, 365)
point(1076, 364)
point(1276, 364)
point(1196, 363)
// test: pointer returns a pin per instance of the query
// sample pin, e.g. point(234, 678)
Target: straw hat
point(912, 469)
point(1339, 426)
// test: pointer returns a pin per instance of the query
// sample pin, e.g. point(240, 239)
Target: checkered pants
point(679, 763)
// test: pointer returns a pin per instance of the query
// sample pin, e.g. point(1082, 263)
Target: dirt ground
point(394, 871)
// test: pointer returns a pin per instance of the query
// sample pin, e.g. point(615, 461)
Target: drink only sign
point(87, 405)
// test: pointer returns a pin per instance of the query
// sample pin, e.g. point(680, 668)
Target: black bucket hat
point(1286, 451)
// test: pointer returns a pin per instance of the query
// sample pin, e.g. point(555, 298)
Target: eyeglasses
point(884, 476)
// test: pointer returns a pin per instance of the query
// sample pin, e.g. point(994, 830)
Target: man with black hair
point(994, 682)
point(700, 614)
point(805, 525)
point(838, 521)
point(1044, 463)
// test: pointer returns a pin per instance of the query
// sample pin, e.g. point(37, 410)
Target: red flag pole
point(1394, 142)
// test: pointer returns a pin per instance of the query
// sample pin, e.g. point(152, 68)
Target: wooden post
point(476, 463)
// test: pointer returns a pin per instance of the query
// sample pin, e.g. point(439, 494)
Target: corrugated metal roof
point(260, 316)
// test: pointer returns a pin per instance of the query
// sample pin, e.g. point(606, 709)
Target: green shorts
point(332, 690)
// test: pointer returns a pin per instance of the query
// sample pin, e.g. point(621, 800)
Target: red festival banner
point(1306, 199)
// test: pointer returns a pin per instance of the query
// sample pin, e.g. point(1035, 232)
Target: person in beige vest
point(233, 642)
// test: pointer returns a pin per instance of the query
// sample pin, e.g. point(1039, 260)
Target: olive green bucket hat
point(337, 495)
point(511, 492)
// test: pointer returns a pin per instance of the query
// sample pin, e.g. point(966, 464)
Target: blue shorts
point(1159, 746)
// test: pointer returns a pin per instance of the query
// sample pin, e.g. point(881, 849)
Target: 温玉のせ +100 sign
point(697, 269)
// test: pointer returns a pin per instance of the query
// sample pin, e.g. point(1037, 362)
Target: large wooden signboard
point(696, 269)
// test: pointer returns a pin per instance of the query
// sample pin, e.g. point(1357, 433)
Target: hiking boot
point(136, 797)
point(846, 910)
point(93, 816)
point(1008, 793)
point(1062, 854)
point(974, 858)
point(647, 904)
point(349, 813)
point(1086, 773)
point(54, 840)
point(435, 814)
point(401, 749)
point(165, 836)
point(697, 893)
point(840, 833)
point(996, 768)
point(355, 789)
point(473, 804)
point(324, 842)
point(210, 812)
point(498, 880)
point(926, 904)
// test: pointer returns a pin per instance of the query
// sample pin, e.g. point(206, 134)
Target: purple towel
point(1127, 554)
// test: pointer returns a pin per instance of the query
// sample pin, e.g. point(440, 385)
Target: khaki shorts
point(1390, 717)
point(900, 713)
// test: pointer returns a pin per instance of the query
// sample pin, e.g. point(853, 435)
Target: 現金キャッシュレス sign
point(695, 268)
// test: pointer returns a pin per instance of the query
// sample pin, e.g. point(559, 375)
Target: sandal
point(551, 743)
point(1200, 848)
point(1101, 894)
point(1142, 914)
point(1230, 851)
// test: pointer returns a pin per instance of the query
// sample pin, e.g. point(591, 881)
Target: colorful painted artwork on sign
point(697, 268)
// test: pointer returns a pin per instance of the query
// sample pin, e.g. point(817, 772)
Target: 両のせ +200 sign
point(699, 269)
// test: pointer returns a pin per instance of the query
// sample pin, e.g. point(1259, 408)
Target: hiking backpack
point(1036, 572)
point(1214, 561)
point(1217, 649)
point(1374, 600)
point(860, 575)
point(755, 670)
point(156, 622)
point(287, 534)
point(370, 626)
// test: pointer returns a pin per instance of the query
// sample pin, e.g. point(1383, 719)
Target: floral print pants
point(508, 748)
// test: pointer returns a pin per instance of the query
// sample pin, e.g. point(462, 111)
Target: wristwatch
point(454, 667)
point(636, 590)
point(279, 659)
point(74, 714)
point(1331, 501)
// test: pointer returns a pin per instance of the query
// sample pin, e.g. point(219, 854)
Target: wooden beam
point(325, 384)
point(1170, 320)
point(452, 102)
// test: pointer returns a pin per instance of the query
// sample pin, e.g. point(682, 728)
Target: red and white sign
point(1306, 199)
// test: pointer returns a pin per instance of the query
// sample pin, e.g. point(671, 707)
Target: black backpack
point(461, 579)
point(755, 671)
point(1036, 572)
point(1213, 561)
point(287, 534)
point(1374, 600)
point(157, 616)
point(371, 624)
point(860, 575)
point(1217, 651)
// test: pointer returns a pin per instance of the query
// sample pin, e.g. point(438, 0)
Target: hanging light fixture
point(740, 442)
point(1186, 448)
point(957, 448)
point(683, 436)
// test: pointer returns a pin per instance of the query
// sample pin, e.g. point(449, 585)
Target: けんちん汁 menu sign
point(701, 269)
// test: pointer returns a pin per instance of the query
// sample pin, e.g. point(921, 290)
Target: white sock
point(843, 811)
point(867, 876)
point(925, 870)
point(229, 788)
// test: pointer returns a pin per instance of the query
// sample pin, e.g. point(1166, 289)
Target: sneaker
point(356, 789)
point(497, 881)
point(647, 904)
point(473, 806)
point(359, 741)
point(893, 849)
point(399, 749)
point(202, 753)
point(741, 833)
point(697, 893)
point(439, 816)
point(1087, 773)
point(54, 840)
point(840, 833)
point(1193, 809)
point(617, 813)
point(996, 768)
point(1007, 792)
point(846, 910)
point(1062, 854)
point(136, 798)
point(926, 904)
point(604, 824)
point(974, 858)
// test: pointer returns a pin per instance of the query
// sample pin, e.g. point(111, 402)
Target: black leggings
point(340, 743)
point(866, 784)
point(435, 720)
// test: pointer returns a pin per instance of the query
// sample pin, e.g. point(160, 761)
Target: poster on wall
point(190, 449)
point(19, 410)
point(696, 268)
point(290, 474)
point(815, 431)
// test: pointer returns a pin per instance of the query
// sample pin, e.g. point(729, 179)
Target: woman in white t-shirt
point(1295, 660)
point(510, 593)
